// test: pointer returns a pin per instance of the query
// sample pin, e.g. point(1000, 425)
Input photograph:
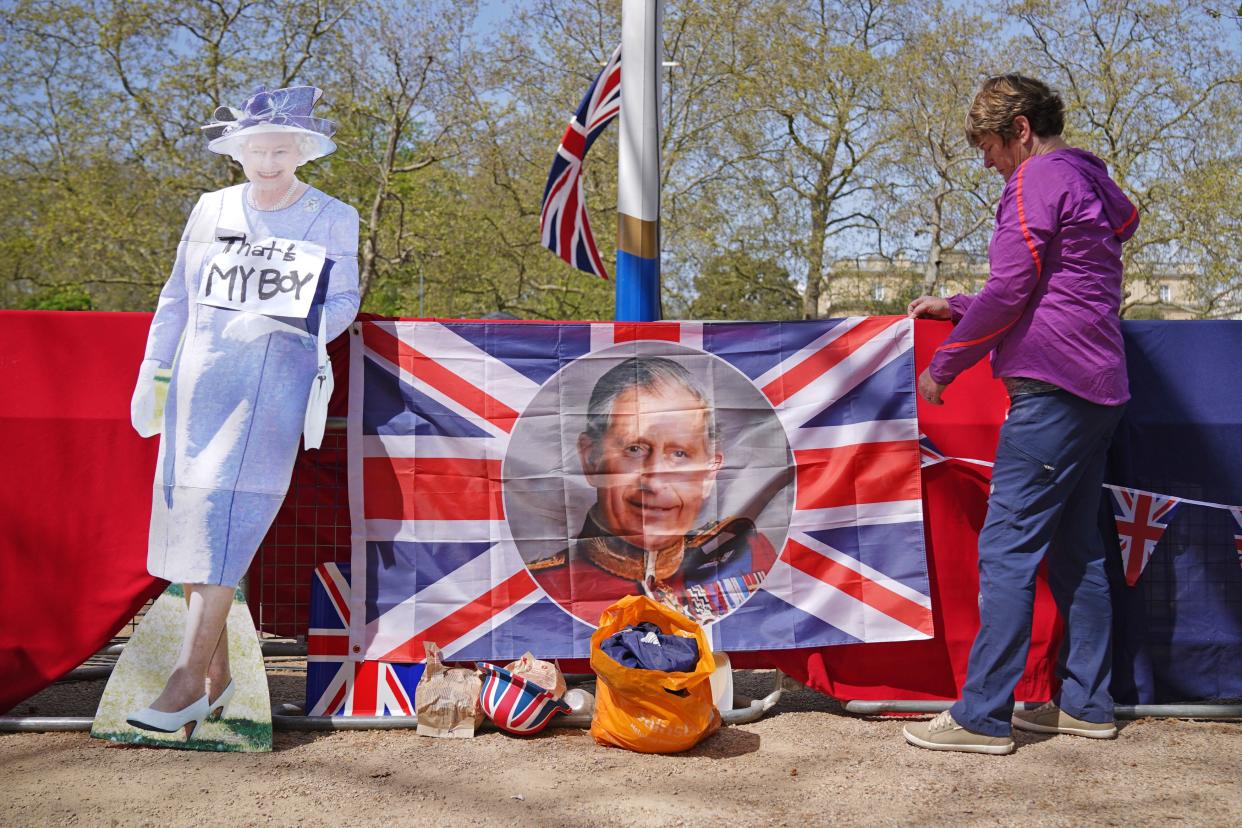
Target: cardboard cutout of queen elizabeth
point(266, 273)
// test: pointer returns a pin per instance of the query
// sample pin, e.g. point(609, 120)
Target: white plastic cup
point(722, 682)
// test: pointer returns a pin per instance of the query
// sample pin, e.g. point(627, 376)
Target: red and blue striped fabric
point(515, 704)
point(433, 407)
point(563, 225)
point(335, 684)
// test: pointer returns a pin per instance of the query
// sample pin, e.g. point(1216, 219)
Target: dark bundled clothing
point(643, 646)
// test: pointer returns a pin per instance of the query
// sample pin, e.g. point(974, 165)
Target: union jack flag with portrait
point(1141, 519)
point(563, 224)
point(471, 447)
point(336, 685)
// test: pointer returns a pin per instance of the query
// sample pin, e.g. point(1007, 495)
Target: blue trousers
point(1046, 489)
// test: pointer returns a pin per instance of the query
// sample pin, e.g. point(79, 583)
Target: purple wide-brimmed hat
point(278, 110)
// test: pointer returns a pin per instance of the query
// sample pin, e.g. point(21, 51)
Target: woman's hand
point(929, 307)
point(929, 389)
point(146, 408)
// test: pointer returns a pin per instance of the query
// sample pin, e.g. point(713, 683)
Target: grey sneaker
point(1048, 718)
point(943, 733)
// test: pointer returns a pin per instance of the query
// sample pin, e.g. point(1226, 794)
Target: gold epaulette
point(550, 562)
point(709, 532)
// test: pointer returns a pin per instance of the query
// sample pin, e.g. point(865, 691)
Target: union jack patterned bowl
point(515, 704)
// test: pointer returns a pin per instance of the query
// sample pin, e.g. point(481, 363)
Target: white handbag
point(320, 392)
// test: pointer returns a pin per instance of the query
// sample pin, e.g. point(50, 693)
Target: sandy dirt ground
point(806, 763)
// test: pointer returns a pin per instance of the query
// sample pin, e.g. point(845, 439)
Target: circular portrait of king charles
point(649, 468)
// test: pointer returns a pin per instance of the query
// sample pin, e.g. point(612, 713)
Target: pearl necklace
point(280, 205)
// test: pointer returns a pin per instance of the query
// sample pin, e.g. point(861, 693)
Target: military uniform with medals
point(711, 571)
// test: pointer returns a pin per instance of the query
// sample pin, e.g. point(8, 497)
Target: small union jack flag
point(336, 685)
point(1236, 511)
point(1141, 519)
point(928, 453)
point(563, 225)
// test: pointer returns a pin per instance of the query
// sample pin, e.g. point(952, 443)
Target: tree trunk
point(370, 245)
point(931, 270)
point(815, 275)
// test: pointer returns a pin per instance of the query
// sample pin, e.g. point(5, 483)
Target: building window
point(878, 292)
point(1166, 293)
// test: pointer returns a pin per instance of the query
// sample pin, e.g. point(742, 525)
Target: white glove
point(146, 409)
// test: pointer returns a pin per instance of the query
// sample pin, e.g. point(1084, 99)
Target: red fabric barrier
point(75, 503)
point(75, 490)
point(75, 493)
point(954, 503)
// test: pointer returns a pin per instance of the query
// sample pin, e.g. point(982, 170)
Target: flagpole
point(638, 163)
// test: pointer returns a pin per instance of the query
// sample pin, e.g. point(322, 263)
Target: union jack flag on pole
point(509, 481)
point(563, 224)
point(1141, 520)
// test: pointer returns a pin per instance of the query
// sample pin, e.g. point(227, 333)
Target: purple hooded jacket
point(1050, 307)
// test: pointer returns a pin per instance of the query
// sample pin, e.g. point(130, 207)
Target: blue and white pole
point(638, 166)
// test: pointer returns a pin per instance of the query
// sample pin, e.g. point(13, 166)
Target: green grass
point(248, 737)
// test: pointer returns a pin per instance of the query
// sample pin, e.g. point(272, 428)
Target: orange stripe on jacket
point(1030, 243)
point(1126, 223)
point(949, 346)
point(1026, 233)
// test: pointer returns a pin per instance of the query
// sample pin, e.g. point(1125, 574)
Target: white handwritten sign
point(274, 276)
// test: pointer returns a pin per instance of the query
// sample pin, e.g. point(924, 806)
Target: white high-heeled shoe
point(161, 721)
point(217, 707)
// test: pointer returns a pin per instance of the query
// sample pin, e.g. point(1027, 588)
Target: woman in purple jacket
point(1049, 314)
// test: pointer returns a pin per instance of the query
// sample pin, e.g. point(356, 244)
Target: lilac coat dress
point(238, 393)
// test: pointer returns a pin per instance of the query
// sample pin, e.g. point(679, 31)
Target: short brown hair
point(1002, 98)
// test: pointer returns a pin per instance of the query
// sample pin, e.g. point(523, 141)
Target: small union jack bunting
point(1141, 519)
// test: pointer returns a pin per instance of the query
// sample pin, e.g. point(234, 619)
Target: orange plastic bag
point(650, 711)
